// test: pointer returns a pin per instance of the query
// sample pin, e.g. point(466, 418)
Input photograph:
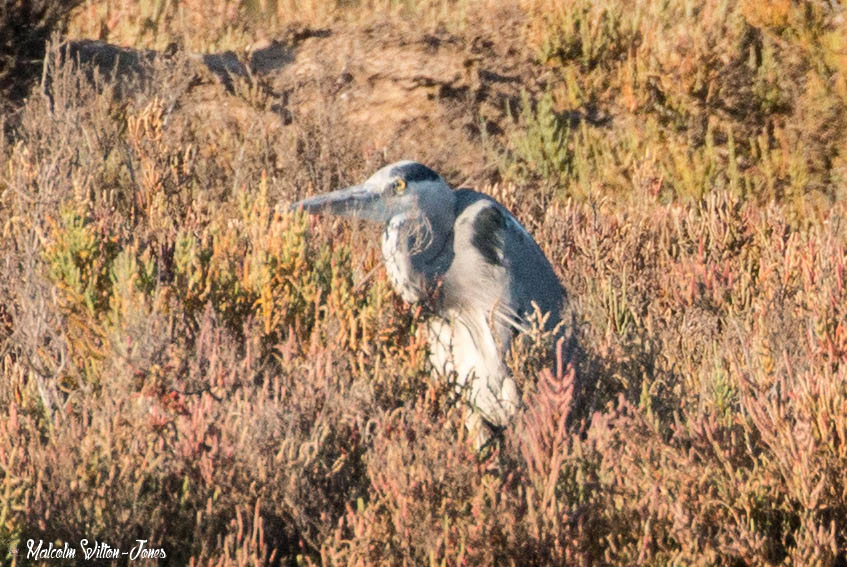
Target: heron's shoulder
point(467, 197)
point(486, 222)
point(473, 203)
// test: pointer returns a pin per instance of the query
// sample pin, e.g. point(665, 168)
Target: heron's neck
point(412, 248)
point(426, 240)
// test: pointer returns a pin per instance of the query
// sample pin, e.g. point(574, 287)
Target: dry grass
point(183, 361)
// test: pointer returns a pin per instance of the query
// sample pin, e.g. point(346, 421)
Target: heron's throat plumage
point(415, 254)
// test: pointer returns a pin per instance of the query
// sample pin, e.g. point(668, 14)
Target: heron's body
point(466, 256)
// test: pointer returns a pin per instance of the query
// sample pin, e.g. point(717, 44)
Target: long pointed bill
point(356, 201)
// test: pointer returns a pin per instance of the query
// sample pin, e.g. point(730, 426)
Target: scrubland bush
point(687, 98)
point(185, 361)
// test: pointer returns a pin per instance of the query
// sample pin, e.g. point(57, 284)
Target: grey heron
point(467, 257)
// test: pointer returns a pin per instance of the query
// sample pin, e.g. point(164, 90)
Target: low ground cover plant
point(185, 361)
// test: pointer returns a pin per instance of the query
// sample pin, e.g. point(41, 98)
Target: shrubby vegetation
point(185, 361)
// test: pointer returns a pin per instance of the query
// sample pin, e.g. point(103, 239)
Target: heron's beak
point(356, 201)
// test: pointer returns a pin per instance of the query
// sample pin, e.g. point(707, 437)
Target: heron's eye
point(399, 186)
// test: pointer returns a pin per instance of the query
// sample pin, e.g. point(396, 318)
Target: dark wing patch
point(488, 227)
point(413, 172)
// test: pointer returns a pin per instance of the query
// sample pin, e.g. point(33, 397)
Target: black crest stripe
point(413, 172)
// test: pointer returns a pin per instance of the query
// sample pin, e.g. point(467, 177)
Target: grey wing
point(496, 273)
point(512, 270)
point(533, 278)
point(477, 287)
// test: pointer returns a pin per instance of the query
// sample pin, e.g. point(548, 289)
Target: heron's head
point(402, 188)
